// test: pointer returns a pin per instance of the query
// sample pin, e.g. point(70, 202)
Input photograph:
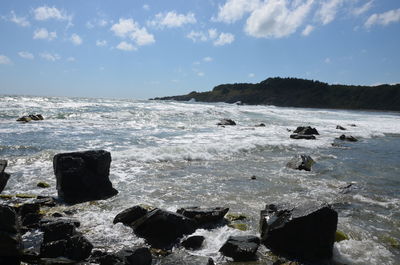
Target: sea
point(170, 155)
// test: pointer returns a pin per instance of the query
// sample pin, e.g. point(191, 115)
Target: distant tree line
point(295, 92)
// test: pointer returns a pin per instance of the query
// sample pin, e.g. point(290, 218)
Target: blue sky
point(144, 49)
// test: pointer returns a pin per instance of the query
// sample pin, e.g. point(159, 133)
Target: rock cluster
point(31, 117)
point(306, 133)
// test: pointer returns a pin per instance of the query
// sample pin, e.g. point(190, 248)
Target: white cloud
point(26, 55)
point(96, 22)
point(146, 7)
point(224, 38)
point(328, 10)
point(45, 13)
point(4, 59)
point(71, 59)
point(125, 46)
point(277, 18)
point(200, 74)
point(327, 60)
point(307, 30)
point(101, 43)
point(172, 20)
point(251, 75)
point(21, 21)
point(50, 56)
point(75, 39)
point(234, 10)
point(208, 59)
point(383, 19)
point(364, 8)
point(218, 39)
point(128, 28)
point(43, 34)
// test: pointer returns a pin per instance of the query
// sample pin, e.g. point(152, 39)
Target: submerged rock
point(204, 216)
point(31, 117)
point(135, 256)
point(305, 232)
point(193, 242)
point(83, 176)
point(225, 122)
point(3, 175)
point(162, 229)
point(347, 138)
point(338, 127)
point(130, 215)
point(241, 248)
point(260, 125)
point(301, 162)
point(302, 137)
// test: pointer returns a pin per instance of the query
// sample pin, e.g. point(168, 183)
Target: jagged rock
point(130, 215)
point(305, 232)
point(241, 248)
point(3, 175)
point(225, 122)
point(204, 216)
point(193, 242)
point(304, 137)
point(307, 130)
point(338, 127)
point(78, 248)
point(37, 117)
point(10, 237)
point(83, 176)
point(136, 256)
point(301, 162)
point(57, 230)
point(347, 138)
point(162, 229)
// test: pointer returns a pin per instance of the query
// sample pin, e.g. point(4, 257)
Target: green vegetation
point(294, 92)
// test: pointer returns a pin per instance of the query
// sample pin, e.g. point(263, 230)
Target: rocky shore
point(301, 233)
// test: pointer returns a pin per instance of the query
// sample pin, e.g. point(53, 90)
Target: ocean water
point(172, 154)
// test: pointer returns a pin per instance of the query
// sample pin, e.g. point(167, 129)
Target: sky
point(143, 49)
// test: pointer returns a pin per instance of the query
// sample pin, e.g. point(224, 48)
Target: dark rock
point(83, 176)
point(110, 259)
point(57, 230)
point(45, 201)
point(306, 131)
point(78, 248)
point(225, 122)
point(53, 249)
point(340, 128)
point(10, 237)
point(3, 175)
point(28, 208)
point(24, 119)
point(241, 248)
point(29, 256)
point(57, 214)
point(37, 117)
point(130, 215)
point(32, 220)
point(260, 125)
point(304, 137)
point(136, 256)
point(305, 232)
point(193, 242)
point(347, 138)
point(10, 260)
point(204, 216)
point(301, 162)
point(59, 261)
point(43, 185)
point(253, 177)
point(162, 229)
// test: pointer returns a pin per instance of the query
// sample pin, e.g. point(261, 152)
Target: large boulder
point(204, 216)
point(83, 176)
point(193, 242)
point(305, 232)
point(348, 138)
point(3, 175)
point(135, 256)
point(130, 215)
point(301, 162)
point(10, 237)
point(162, 229)
point(241, 248)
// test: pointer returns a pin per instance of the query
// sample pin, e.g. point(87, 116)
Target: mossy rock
point(393, 242)
point(241, 227)
point(235, 216)
point(26, 196)
point(340, 236)
point(6, 196)
point(43, 185)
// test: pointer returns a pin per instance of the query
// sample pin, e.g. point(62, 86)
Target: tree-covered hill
point(295, 92)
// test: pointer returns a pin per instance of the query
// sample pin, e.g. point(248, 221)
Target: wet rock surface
point(205, 217)
point(3, 175)
point(226, 122)
point(83, 176)
point(130, 215)
point(193, 242)
point(241, 248)
point(10, 237)
point(347, 138)
point(305, 232)
point(301, 162)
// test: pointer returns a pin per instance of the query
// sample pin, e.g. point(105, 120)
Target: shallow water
point(171, 155)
